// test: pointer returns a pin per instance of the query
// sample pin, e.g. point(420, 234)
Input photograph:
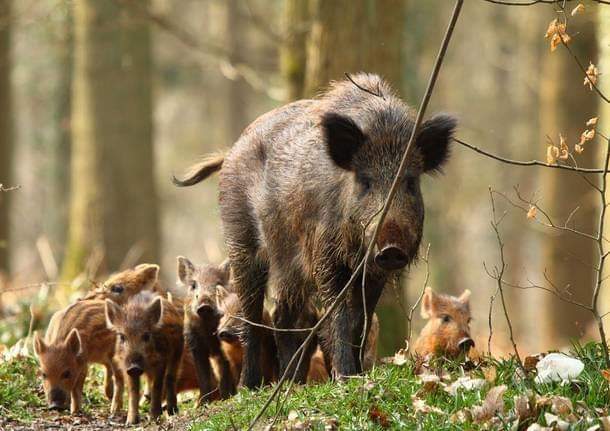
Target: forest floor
point(487, 394)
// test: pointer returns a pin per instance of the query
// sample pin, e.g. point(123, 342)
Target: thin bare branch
point(419, 298)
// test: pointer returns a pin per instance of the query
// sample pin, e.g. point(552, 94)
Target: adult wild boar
point(299, 192)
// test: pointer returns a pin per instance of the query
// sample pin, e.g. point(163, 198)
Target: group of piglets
point(133, 327)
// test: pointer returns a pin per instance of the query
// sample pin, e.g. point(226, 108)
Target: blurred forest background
point(101, 101)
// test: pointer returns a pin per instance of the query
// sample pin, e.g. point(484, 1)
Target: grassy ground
point(389, 397)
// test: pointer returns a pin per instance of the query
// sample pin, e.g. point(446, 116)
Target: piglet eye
point(66, 374)
point(117, 288)
point(193, 285)
point(446, 318)
point(122, 338)
point(44, 375)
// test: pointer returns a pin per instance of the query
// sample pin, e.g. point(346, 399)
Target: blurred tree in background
point(6, 141)
point(114, 207)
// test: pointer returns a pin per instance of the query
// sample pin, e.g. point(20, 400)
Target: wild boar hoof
point(132, 420)
point(172, 410)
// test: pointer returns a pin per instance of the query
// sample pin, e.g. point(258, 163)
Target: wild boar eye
point(146, 337)
point(117, 288)
point(66, 374)
point(410, 183)
point(44, 375)
point(122, 338)
point(446, 318)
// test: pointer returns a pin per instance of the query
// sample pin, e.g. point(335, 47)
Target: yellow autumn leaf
point(552, 153)
point(531, 214)
point(591, 122)
point(580, 8)
point(592, 74)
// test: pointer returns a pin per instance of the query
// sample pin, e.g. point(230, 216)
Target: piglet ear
point(427, 303)
point(148, 273)
point(73, 342)
point(185, 270)
point(434, 141)
point(343, 139)
point(465, 297)
point(112, 311)
point(39, 346)
point(155, 311)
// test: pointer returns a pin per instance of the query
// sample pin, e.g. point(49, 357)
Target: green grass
point(382, 399)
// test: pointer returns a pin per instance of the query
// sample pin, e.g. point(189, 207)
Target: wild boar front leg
point(156, 392)
point(77, 393)
point(201, 357)
point(171, 374)
point(108, 381)
point(117, 396)
point(226, 386)
point(133, 385)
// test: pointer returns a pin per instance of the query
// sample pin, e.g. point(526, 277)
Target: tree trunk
point(114, 201)
point(565, 107)
point(6, 142)
point(353, 36)
point(292, 54)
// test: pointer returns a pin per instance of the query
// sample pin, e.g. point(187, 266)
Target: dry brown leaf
point(561, 405)
point(591, 122)
point(588, 134)
point(420, 406)
point(538, 427)
point(579, 148)
point(592, 74)
point(552, 153)
point(379, 416)
point(430, 383)
point(400, 357)
point(563, 147)
point(523, 409)
point(606, 374)
point(552, 29)
point(580, 8)
point(529, 363)
point(531, 214)
point(494, 403)
point(605, 422)
point(491, 373)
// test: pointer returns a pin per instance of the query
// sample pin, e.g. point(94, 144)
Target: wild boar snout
point(58, 399)
point(391, 258)
point(465, 344)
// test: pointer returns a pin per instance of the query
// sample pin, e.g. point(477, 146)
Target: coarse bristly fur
point(447, 332)
point(148, 341)
point(76, 337)
point(205, 286)
point(299, 194)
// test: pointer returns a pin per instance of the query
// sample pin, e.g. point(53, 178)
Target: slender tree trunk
point(237, 90)
point(56, 221)
point(292, 55)
point(114, 200)
point(6, 141)
point(353, 36)
point(565, 107)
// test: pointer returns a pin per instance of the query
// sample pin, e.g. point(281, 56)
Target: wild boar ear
point(73, 342)
point(155, 311)
point(148, 273)
point(343, 139)
point(434, 140)
point(185, 270)
point(112, 311)
point(225, 269)
point(465, 297)
point(39, 346)
point(427, 303)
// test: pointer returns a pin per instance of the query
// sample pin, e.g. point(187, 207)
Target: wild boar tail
point(200, 171)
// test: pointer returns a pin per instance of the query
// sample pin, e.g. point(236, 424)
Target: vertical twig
point(489, 321)
point(499, 273)
point(602, 258)
point(416, 304)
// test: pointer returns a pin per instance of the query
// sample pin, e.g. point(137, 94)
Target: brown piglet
point(76, 337)
point(148, 341)
point(447, 332)
point(121, 286)
point(205, 285)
